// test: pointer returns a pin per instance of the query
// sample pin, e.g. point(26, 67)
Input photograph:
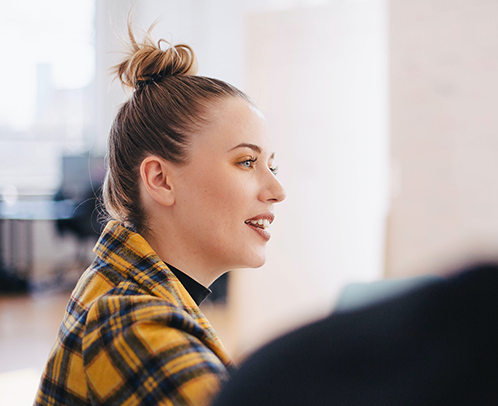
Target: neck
point(172, 251)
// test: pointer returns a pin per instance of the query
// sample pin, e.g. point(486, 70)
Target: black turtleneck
point(194, 288)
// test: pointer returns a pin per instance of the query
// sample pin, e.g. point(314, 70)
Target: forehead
point(233, 121)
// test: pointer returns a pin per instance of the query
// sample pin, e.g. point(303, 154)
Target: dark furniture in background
point(74, 209)
point(16, 238)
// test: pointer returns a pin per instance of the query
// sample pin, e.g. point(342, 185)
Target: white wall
point(319, 74)
point(444, 97)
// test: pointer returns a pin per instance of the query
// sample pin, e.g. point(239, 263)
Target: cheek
point(224, 196)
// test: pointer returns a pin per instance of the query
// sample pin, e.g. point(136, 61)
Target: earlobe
point(156, 177)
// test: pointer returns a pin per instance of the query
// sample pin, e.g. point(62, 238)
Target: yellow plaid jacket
point(132, 335)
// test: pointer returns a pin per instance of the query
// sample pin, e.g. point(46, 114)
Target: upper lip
point(264, 216)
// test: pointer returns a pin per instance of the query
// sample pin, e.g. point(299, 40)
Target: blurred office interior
point(382, 113)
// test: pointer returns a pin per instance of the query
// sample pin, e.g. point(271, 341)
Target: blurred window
point(46, 101)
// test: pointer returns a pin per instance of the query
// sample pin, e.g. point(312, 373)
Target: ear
point(156, 174)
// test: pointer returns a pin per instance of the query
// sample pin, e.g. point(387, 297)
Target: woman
point(190, 188)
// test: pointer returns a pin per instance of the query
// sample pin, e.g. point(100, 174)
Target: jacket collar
point(132, 256)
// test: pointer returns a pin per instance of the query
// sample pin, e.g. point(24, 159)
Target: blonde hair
point(169, 103)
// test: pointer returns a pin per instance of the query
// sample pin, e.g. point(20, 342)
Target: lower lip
point(264, 234)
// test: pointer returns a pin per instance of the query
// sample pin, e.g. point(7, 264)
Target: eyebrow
point(246, 145)
point(254, 147)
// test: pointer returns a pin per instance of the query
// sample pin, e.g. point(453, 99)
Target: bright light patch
point(19, 387)
point(55, 32)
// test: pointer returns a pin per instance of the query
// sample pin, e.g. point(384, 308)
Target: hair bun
point(146, 62)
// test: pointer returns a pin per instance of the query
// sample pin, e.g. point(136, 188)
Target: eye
point(248, 163)
point(274, 169)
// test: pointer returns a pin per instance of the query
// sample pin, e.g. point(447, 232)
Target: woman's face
point(228, 188)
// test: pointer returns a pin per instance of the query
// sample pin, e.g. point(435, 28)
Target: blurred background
point(382, 113)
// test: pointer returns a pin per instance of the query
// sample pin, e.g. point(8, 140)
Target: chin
point(249, 259)
point(257, 266)
point(247, 266)
point(256, 261)
point(252, 264)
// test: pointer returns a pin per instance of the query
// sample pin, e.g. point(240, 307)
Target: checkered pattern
point(132, 335)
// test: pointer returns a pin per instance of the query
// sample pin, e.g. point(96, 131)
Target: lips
point(261, 224)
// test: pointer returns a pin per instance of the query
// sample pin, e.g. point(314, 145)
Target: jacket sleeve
point(145, 352)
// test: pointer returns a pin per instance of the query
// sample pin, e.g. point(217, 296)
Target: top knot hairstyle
point(146, 62)
point(168, 105)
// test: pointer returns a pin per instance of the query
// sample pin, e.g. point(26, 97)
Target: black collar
point(194, 288)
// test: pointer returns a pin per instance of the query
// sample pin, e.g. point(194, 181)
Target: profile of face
point(224, 196)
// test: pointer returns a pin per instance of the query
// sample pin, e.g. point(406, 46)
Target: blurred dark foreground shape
point(436, 344)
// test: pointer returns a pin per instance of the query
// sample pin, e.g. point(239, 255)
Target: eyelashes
point(249, 164)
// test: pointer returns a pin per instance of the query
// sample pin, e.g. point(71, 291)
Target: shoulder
point(114, 313)
point(143, 347)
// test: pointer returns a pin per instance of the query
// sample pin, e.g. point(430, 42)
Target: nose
point(273, 191)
